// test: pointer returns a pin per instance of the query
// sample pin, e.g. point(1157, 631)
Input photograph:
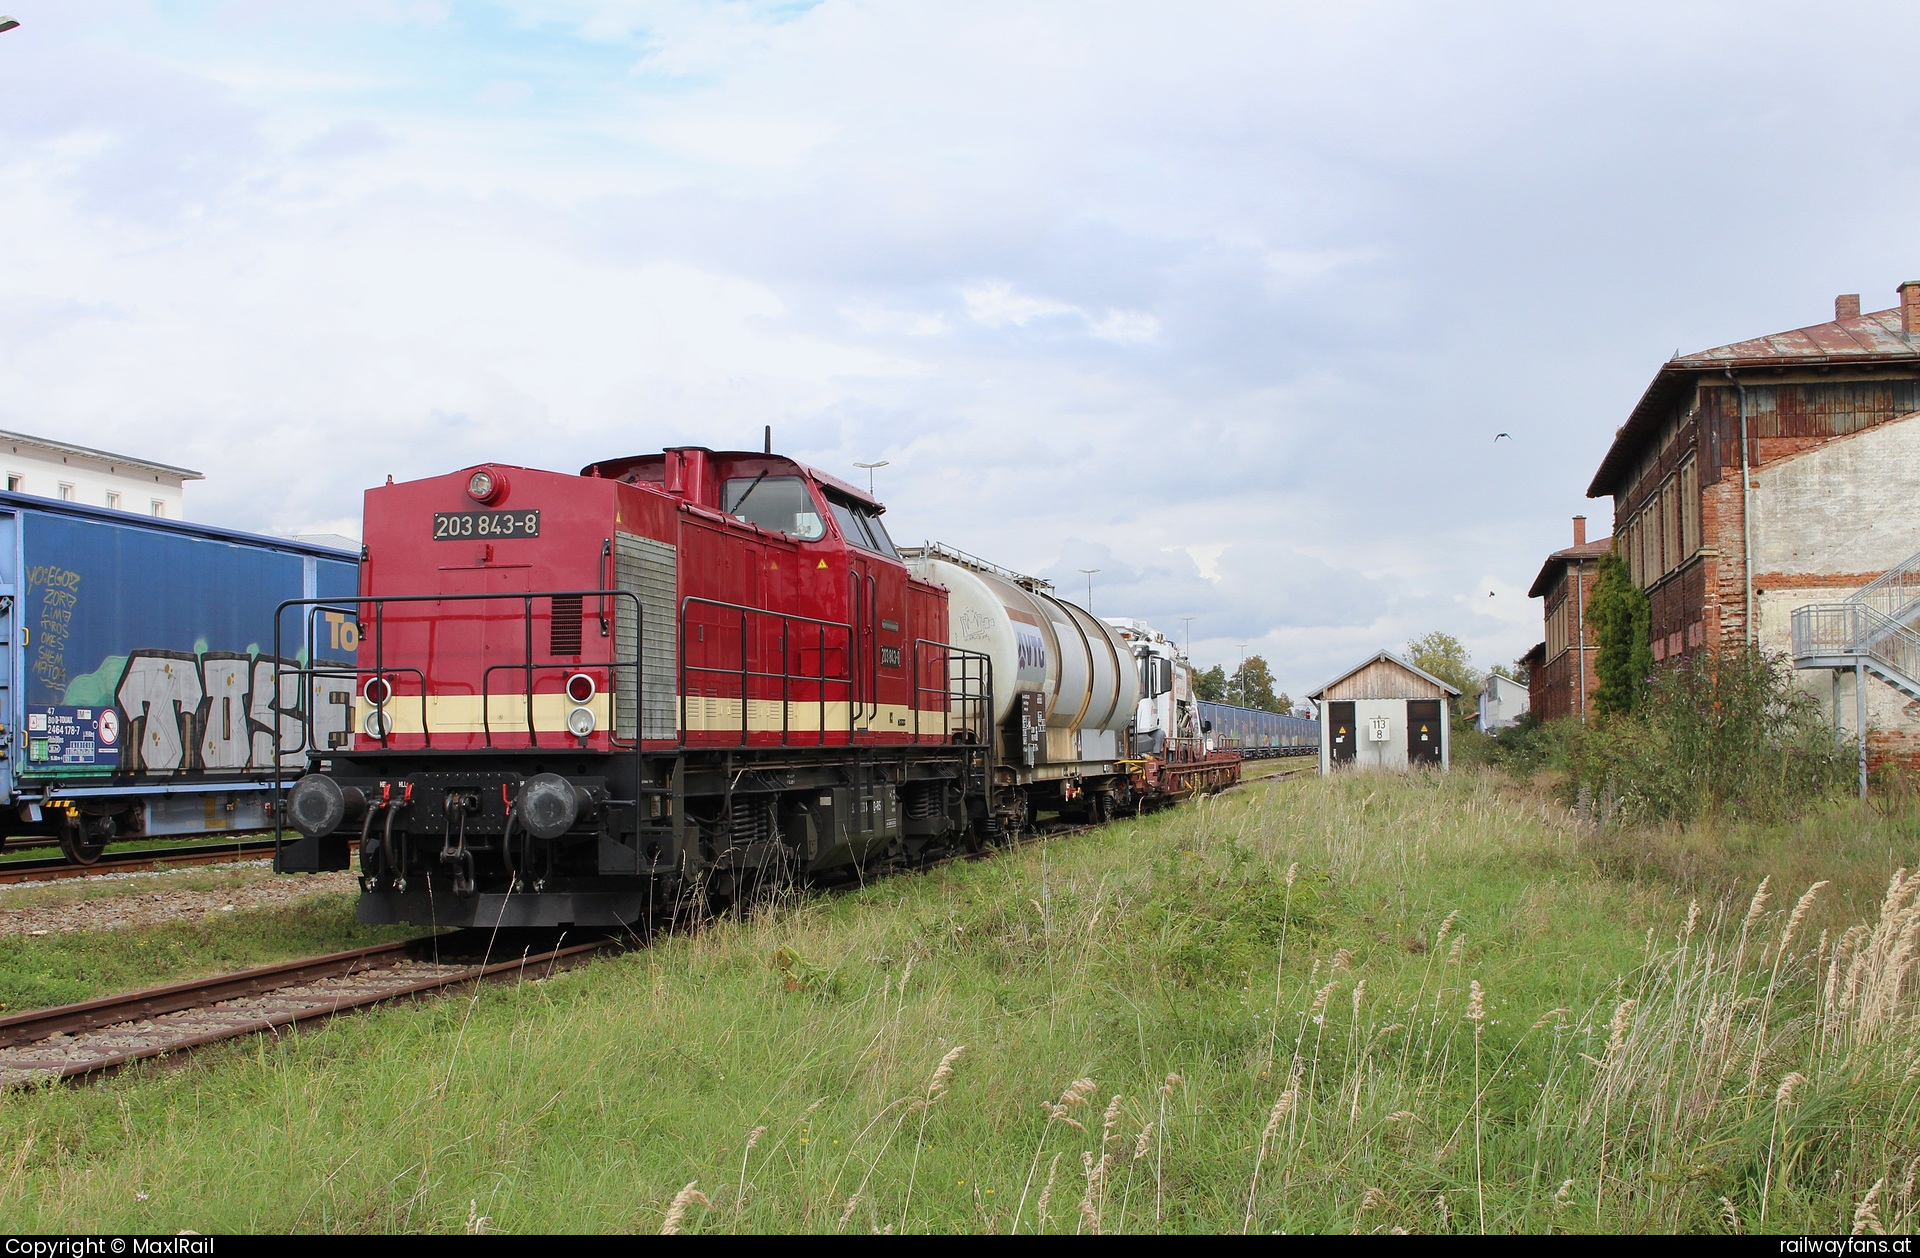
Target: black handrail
point(786, 676)
point(528, 667)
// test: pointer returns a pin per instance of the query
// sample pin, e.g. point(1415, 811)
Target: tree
point(1621, 619)
point(1211, 685)
point(1252, 687)
point(1516, 671)
point(1443, 655)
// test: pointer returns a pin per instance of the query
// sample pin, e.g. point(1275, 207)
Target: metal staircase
point(1876, 630)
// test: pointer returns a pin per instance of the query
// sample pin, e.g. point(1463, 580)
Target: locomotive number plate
point(458, 526)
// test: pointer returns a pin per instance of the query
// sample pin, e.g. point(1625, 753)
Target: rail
point(385, 697)
point(1895, 593)
point(970, 691)
point(1855, 630)
point(746, 672)
point(953, 554)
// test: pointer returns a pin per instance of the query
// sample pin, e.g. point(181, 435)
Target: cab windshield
point(779, 504)
point(859, 525)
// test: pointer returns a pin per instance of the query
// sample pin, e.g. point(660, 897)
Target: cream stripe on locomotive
point(461, 714)
point(711, 714)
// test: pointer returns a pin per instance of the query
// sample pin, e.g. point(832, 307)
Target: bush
point(1620, 617)
point(1530, 744)
point(1727, 734)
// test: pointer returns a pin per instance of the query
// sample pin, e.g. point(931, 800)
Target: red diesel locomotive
point(575, 695)
point(591, 699)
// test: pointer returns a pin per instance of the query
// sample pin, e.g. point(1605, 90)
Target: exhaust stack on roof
point(1846, 306)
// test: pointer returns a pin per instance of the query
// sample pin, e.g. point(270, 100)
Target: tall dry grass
point(1418, 1004)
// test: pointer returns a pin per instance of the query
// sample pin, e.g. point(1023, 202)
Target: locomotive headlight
point(486, 486)
point(378, 724)
point(580, 688)
point(378, 691)
point(580, 721)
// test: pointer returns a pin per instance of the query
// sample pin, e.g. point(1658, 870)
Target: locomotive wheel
point(1103, 807)
point(77, 844)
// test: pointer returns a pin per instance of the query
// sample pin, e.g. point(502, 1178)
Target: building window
point(113, 501)
point(1689, 508)
point(66, 492)
point(16, 484)
point(159, 508)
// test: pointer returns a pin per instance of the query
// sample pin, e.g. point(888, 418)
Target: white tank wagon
point(1065, 686)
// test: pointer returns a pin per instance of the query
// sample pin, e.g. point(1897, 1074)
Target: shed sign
point(1377, 727)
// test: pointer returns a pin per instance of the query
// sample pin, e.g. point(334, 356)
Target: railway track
point(56, 868)
point(97, 1036)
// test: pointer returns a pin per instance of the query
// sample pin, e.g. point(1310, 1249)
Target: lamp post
point(870, 467)
point(1089, 572)
point(1188, 649)
point(1242, 674)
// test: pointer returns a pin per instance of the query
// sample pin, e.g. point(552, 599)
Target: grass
point(63, 968)
point(1371, 1003)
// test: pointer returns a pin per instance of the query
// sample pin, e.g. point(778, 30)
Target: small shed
point(1384, 714)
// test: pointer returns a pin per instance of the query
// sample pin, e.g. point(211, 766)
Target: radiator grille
point(563, 636)
point(649, 569)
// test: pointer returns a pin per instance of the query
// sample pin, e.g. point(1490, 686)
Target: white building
point(54, 469)
point(1384, 714)
point(1502, 702)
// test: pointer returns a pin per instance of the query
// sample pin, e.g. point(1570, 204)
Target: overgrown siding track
point(57, 868)
point(105, 1034)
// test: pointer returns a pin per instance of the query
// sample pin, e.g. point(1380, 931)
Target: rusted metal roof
point(1859, 339)
point(1560, 558)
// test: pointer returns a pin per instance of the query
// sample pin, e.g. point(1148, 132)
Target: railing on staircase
point(1839, 635)
point(1895, 593)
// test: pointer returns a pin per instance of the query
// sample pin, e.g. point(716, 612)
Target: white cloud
point(1224, 301)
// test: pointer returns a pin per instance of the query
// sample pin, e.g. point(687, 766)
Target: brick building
point(1761, 477)
point(1560, 676)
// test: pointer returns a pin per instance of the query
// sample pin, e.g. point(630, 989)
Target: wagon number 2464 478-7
point(453, 526)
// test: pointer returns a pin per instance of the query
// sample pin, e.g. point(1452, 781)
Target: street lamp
point(1188, 651)
point(1089, 572)
point(7, 23)
point(1242, 674)
point(870, 467)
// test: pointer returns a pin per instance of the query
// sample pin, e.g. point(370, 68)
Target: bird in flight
point(1498, 435)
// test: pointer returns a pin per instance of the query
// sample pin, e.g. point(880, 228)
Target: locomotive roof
point(616, 468)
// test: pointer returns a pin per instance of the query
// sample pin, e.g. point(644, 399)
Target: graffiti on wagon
point(217, 712)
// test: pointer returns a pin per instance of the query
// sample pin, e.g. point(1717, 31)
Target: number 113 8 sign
point(1377, 727)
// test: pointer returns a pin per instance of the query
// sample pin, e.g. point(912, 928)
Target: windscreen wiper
point(741, 501)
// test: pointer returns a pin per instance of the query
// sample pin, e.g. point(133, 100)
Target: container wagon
point(1256, 734)
point(137, 693)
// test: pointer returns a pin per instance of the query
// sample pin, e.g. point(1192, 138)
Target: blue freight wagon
point(137, 693)
point(1258, 734)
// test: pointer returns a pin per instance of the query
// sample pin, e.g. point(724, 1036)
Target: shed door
point(1423, 731)
point(1340, 732)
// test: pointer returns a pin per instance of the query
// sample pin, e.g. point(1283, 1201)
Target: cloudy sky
point(1225, 300)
